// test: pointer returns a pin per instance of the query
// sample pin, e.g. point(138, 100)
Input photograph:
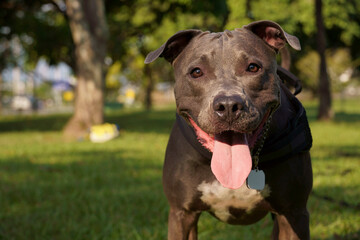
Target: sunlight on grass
point(52, 189)
point(336, 166)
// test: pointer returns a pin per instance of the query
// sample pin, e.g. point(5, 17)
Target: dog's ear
point(273, 34)
point(173, 46)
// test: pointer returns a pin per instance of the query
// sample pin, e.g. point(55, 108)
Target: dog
point(239, 148)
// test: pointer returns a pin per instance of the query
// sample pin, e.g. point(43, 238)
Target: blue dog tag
point(256, 180)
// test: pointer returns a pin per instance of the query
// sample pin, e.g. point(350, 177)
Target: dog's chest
point(221, 199)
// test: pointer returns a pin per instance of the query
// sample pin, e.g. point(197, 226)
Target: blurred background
point(67, 65)
point(42, 42)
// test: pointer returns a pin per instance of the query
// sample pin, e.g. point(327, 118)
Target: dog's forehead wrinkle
point(217, 42)
point(216, 36)
point(223, 48)
point(206, 33)
point(204, 57)
point(228, 33)
point(204, 52)
point(242, 54)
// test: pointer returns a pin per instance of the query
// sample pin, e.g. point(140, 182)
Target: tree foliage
point(137, 27)
point(142, 26)
point(42, 28)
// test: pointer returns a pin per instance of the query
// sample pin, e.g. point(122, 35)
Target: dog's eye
point(196, 73)
point(253, 67)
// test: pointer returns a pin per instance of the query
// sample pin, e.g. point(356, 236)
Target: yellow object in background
point(68, 96)
point(129, 96)
point(103, 132)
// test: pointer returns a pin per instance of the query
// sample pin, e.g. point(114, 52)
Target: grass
point(52, 189)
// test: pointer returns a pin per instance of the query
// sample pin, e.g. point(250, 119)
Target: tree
point(142, 26)
point(136, 27)
point(39, 29)
point(75, 33)
point(5, 53)
point(139, 26)
point(324, 111)
point(89, 33)
point(340, 22)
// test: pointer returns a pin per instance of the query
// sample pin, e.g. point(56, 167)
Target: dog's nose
point(228, 108)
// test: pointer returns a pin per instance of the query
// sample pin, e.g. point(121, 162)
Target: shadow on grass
point(350, 236)
point(330, 194)
point(323, 203)
point(311, 112)
point(336, 151)
point(101, 195)
point(159, 121)
point(134, 121)
point(34, 123)
point(347, 117)
point(137, 121)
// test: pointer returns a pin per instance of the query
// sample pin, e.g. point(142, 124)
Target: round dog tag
point(256, 180)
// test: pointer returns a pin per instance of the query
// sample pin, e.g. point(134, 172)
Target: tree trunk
point(1, 96)
point(149, 87)
point(248, 10)
point(5, 55)
point(324, 111)
point(89, 32)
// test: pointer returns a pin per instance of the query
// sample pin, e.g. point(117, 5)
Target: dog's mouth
point(231, 160)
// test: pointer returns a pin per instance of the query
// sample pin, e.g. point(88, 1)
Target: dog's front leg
point(182, 224)
point(292, 226)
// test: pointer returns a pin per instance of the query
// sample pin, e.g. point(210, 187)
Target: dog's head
point(226, 85)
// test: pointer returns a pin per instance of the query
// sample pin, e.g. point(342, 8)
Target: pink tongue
point(231, 160)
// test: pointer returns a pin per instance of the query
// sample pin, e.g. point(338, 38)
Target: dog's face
point(226, 81)
point(226, 85)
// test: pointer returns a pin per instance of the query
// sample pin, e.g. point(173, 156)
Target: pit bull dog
point(239, 148)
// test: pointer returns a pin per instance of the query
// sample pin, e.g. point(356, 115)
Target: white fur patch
point(221, 199)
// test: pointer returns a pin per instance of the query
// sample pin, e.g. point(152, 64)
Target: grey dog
point(239, 148)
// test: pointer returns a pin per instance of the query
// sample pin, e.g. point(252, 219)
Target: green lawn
point(52, 189)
